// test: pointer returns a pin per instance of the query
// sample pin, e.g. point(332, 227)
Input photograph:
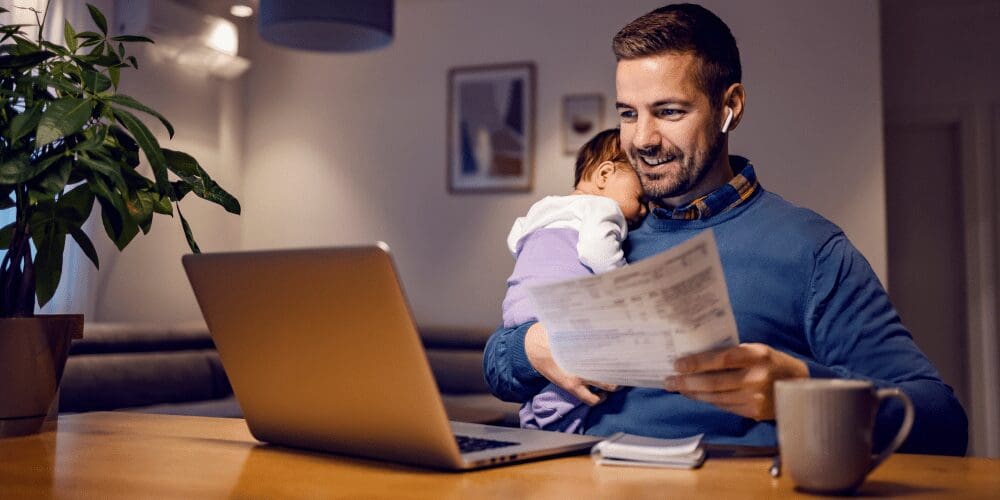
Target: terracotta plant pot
point(32, 357)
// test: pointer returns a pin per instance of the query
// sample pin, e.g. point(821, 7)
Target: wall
point(942, 108)
point(344, 149)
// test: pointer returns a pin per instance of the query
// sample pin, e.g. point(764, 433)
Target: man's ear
point(603, 174)
point(734, 99)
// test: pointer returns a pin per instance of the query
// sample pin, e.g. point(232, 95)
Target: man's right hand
point(536, 347)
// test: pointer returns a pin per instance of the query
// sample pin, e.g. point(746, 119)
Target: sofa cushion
point(141, 337)
point(458, 371)
point(108, 381)
point(454, 337)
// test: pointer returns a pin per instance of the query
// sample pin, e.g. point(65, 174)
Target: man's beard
point(690, 171)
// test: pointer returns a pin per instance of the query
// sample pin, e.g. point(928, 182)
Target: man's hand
point(536, 346)
point(738, 379)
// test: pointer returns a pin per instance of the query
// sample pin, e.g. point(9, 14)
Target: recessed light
point(240, 10)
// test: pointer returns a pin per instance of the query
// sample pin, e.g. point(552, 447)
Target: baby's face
point(624, 187)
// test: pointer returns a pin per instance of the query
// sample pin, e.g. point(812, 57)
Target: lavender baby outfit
point(561, 237)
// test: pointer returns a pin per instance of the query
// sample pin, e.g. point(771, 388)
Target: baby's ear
point(603, 174)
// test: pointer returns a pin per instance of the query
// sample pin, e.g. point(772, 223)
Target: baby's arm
point(602, 231)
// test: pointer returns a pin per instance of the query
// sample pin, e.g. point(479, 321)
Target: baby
point(563, 237)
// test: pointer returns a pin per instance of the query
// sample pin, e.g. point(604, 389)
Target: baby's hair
point(605, 146)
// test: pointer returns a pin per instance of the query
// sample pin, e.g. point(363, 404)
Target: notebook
point(322, 353)
point(641, 451)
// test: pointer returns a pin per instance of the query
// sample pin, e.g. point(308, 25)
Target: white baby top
point(597, 219)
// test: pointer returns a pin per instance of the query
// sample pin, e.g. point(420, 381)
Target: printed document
point(627, 326)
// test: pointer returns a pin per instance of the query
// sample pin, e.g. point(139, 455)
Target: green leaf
point(70, 35)
point(123, 138)
point(26, 46)
point(179, 189)
point(131, 38)
point(96, 57)
point(62, 84)
point(133, 61)
point(95, 81)
point(142, 210)
point(89, 35)
point(93, 140)
point(191, 173)
point(129, 102)
point(50, 241)
point(48, 263)
point(63, 117)
point(19, 169)
point(110, 171)
point(116, 75)
point(98, 18)
point(149, 146)
point(181, 163)
point(187, 231)
point(130, 153)
point(23, 123)
point(56, 178)
point(162, 205)
point(90, 42)
point(118, 224)
point(24, 61)
point(58, 49)
point(86, 245)
point(77, 204)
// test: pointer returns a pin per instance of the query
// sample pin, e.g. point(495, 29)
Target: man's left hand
point(738, 379)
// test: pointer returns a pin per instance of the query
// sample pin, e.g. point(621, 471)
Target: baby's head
point(603, 169)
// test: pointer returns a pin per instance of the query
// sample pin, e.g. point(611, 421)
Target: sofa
point(176, 370)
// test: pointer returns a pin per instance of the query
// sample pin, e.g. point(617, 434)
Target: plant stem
point(41, 24)
point(17, 272)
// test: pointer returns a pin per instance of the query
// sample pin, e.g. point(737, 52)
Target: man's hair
point(605, 146)
point(686, 28)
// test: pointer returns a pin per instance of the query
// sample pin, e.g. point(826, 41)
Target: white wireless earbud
point(729, 119)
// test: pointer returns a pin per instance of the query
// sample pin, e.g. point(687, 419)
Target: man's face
point(668, 127)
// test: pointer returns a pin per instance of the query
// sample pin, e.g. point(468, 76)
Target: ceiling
point(221, 8)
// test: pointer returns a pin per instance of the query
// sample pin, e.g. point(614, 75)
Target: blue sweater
point(795, 283)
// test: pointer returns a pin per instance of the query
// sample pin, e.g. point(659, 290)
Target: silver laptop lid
point(299, 333)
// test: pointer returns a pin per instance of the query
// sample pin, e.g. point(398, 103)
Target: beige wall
point(343, 149)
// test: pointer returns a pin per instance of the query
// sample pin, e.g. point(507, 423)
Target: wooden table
point(133, 455)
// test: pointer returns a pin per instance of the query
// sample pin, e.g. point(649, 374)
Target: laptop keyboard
point(468, 444)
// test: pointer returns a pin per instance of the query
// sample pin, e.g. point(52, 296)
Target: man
point(807, 304)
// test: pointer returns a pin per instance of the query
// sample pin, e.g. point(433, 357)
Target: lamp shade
point(327, 25)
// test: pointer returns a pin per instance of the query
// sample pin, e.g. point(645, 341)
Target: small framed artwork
point(491, 128)
point(582, 117)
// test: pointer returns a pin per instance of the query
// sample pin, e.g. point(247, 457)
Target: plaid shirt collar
point(740, 188)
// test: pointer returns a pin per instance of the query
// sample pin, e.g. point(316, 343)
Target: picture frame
point(491, 128)
point(582, 117)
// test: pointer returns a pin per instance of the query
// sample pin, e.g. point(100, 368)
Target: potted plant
point(69, 140)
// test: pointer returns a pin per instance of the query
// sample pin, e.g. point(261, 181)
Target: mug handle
point(904, 430)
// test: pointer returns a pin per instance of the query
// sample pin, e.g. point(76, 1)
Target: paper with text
point(627, 326)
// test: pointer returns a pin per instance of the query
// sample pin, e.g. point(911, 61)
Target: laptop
point(322, 353)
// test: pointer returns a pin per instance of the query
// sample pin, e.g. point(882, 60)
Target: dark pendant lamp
point(327, 25)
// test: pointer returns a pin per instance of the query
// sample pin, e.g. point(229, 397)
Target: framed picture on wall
point(582, 117)
point(491, 128)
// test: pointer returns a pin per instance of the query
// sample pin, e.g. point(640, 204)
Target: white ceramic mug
point(825, 431)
